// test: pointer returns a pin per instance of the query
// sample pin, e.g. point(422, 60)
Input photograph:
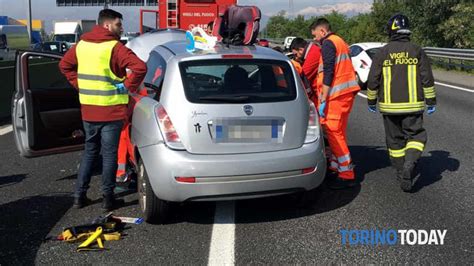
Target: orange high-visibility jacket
point(344, 80)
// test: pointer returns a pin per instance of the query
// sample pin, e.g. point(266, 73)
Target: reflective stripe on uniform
point(412, 84)
point(342, 57)
point(345, 158)
point(97, 78)
point(371, 94)
point(401, 107)
point(342, 86)
point(413, 144)
point(121, 166)
point(387, 81)
point(349, 167)
point(397, 153)
point(429, 92)
point(320, 68)
point(102, 93)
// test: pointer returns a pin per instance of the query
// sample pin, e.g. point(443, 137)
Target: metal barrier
point(449, 54)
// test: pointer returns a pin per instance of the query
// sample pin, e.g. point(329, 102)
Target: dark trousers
point(406, 139)
point(100, 137)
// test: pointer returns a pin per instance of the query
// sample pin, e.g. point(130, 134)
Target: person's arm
point(68, 66)
point(125, 58)
point(311, 64)
point(374, 78)
point(329, 59)
point(427, 79)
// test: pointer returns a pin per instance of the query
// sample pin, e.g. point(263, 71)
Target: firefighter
point(336, 87)
point(308, 55)
point(401, 80)
point(96, 66)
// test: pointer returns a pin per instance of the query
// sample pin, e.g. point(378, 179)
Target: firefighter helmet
point(398, 24)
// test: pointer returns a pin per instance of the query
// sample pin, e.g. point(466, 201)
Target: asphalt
point(35, 203)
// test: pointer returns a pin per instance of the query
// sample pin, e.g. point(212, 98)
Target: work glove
point(372, 108)
point(322, 107)
point(121, 88)
point(431, 109)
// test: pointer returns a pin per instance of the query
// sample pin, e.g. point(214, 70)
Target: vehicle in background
point(263, 42)
point(361, 56)
point(12, 37)
point(182, 14)
point(71, 31)
point(53, 47)
point(287, 42)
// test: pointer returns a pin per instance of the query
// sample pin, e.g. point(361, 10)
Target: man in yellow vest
point(336, 87)
point(96, 66)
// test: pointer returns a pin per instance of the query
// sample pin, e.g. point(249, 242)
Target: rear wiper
point(232, 99)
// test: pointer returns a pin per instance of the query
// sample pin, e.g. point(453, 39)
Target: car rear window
point(237, 81)
point(372, 52)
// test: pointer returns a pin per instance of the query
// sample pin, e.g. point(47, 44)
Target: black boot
point(80, 202)
point(397, 164)
point(409, 168)
point(109, 202)
point(339, 183)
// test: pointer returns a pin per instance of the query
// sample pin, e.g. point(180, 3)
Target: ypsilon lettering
point(392, 237)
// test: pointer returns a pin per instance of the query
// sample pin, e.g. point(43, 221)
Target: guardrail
point(450, 57)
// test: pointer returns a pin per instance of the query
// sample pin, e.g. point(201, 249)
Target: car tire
point(362, 85)
point(153, 209)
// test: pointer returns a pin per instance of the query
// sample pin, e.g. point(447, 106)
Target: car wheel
point(154, 210)
point(362, 85)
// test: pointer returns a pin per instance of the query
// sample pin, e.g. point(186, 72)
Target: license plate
point(268, 130)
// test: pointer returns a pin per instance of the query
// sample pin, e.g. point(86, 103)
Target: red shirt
point(122, 59)
point(311, 64)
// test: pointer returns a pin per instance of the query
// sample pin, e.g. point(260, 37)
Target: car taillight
point(170, 135)
point(309, 170)
point(186, 179)
point(364, 64)
point(312, 133)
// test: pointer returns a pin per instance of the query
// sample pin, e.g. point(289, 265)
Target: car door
point(46, 113)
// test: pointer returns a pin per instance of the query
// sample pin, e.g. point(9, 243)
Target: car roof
point(178, 48)
point(369, 45)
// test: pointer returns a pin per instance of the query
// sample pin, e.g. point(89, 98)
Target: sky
point(46, 10)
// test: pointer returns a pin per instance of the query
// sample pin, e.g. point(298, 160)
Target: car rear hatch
point(236, 106)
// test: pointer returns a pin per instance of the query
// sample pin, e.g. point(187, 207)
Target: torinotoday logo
point(392, 237)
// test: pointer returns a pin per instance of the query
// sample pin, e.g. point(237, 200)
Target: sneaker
point(80, 202)
point(339, 183)
point(109, 202)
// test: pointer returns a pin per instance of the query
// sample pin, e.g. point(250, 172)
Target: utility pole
point(29, 24)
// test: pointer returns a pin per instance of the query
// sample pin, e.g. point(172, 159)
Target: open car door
point(46, 114)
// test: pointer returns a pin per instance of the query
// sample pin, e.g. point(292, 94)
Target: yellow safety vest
point(94, 76)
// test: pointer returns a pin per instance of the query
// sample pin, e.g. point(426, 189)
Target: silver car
point(225, 124)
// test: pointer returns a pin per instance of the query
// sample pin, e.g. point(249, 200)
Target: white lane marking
point(453, 87)
point(221, 251)
point(6, 130)
point(362, 95)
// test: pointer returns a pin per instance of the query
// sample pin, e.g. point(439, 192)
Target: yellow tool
point(86, 245)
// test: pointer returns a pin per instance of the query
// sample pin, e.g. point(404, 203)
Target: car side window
point(355, 50)
point(3, 41)
point(44, 73)
point(156, 65)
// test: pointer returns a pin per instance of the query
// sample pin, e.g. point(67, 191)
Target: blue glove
point(431, 109)
point(322, 107)
point(372, 108)
point(121, 88)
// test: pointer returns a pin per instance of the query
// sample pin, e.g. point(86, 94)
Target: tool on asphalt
point(128, 220)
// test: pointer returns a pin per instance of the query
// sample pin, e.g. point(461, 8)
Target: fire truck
point(182, 14)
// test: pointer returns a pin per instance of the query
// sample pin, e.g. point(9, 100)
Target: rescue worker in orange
point(337, 87)
point(308, 54)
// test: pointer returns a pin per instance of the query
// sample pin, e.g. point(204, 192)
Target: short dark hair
point(298, 43)
point(210, 25)
point(108, 14)
point(323, 22)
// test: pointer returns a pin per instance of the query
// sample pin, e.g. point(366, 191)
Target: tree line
point(447, 24)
